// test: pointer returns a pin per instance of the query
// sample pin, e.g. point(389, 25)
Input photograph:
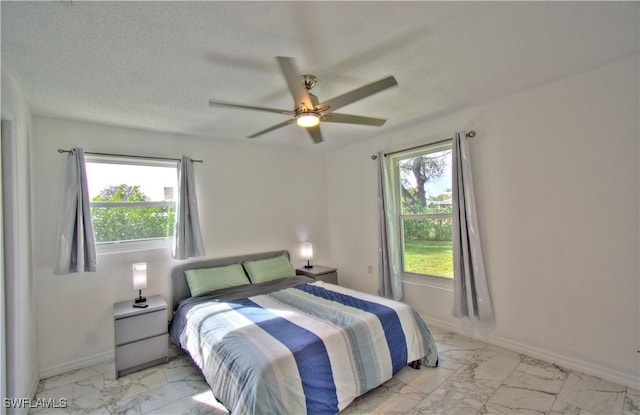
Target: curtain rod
point(60, 150)
point(470, 134)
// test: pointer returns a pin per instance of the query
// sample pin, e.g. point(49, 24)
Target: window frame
point(438, 280)
point(131, 245)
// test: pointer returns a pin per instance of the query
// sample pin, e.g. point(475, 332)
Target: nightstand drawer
point(331, 277)
point(320, 273)
point(138, 327)
point(135, 354)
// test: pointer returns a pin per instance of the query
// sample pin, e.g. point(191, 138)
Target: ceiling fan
point(308, 112)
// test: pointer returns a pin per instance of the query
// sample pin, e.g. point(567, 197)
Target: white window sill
point(133, 246)
point(428, 281)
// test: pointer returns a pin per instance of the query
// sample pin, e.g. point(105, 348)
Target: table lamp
point(139, 283)
point(307, 253)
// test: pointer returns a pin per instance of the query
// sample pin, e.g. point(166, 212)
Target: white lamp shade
point(140, 276)
point(307, 251)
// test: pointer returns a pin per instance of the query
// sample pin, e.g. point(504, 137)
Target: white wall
point(252, 197)
point(21, 358)
point(557, 180)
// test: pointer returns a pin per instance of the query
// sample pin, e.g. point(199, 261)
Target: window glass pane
point(426, 212)
point(428, 247)
point(143, 201)
point(155, 183)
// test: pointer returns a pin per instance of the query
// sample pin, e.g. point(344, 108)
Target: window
point(425, 203)
point(131, 199)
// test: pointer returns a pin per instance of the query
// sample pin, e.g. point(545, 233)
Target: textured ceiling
point(155, 65)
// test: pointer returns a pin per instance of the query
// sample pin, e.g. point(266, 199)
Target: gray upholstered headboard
point(179, 286)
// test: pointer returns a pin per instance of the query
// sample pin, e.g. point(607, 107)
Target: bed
point(271, 342)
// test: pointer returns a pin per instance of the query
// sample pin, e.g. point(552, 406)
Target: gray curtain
point(76, 243)
point(188, 239)
point(470, 290)
point(389, 265)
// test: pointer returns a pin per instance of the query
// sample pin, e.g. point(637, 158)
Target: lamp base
point(140, 302)
point(308, 265)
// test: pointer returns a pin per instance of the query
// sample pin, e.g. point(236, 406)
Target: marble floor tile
point(170, 392)
point(67, 378)
point(490, 364)
point(593, 394)
point(503, 351)
point(460, 394)
point(457, 341)
point(110, 400)
point(50, 411)
point(509, 400)
point(203, 403)
point(180, 369)
point(631, 402)
point(439, 330)
point(386, 399)
point(564, 408)
point(537, 375)
point(73, 390)
point(459, 348)
point(472, 378)
point(140, 382)
point(425, 380)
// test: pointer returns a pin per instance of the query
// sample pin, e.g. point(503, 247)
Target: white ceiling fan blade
point(295, 84)
point(357, 94)
point(275, 127)
point(353, 119)
point(315, 133)
point(213, 103)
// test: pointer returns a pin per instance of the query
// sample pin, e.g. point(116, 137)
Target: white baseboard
point(568, 362)
point(76, 364)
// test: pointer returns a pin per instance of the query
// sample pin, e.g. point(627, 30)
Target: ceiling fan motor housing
point(309, 81)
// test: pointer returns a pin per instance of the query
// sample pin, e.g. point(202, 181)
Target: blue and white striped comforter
point(310, 348)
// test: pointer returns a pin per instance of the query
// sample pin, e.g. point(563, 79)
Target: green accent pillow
point(263, 270)
point(204, 280)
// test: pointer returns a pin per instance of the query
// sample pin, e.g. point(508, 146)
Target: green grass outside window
point(429, 257)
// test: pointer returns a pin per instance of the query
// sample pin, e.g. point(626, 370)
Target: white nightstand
point(140, 335)
point(321, 273)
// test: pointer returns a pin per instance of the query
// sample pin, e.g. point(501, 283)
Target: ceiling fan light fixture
point(307, 119)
